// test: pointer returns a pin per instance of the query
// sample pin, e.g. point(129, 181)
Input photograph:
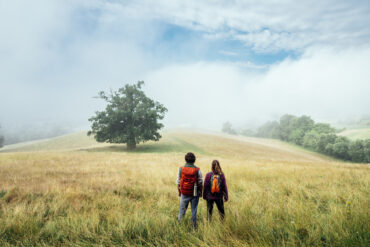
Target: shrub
point(341, 147)
point(356, 151)
point(324, 140)
point(367, 150)
point(285, 126)
point(268, 130)
point(311, 139)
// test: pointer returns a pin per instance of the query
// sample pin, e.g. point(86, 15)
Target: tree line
point(32, 131)
point(319, 137)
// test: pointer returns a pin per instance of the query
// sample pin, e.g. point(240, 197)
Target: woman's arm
point(206, 187)
point(224, 186)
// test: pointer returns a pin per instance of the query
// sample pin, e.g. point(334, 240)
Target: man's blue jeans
point(184, 202)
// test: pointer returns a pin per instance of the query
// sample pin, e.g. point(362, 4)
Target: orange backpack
point(215, 183)
point(189, 176)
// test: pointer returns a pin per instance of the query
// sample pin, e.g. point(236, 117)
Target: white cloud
point(228, 53)
point(51, 67)
point(265, 25)
point(201, 94)
point(323, 83)
point(56, 55)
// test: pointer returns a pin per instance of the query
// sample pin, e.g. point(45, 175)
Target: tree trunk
point(131, 146)
point(131, 142)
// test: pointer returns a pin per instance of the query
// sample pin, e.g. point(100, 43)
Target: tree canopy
point(320, 137)
point(130, 117)
point(228, 128)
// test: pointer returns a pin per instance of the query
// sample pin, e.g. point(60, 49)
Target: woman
point(215, 190)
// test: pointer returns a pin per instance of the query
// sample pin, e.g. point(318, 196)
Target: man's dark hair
point(190, 158)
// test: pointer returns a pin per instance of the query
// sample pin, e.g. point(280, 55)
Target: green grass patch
point(354, 134)
point(170, 144)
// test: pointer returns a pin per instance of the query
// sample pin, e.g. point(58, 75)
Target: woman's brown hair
point(216, 168)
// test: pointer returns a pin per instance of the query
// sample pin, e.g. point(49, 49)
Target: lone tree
point(228, 128)
point(130, 117)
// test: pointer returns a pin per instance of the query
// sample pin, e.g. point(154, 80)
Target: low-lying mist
point(203, 75)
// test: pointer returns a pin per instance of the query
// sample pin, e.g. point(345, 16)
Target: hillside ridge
point(175, 140)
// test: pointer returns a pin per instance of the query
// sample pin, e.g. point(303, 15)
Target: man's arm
point(178, 181)
point(200, 183)
point(178, 176)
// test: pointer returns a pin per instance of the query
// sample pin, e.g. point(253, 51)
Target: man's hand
point(200, 188)
point(178, 188)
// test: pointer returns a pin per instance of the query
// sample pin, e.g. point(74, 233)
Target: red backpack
point(189, 176)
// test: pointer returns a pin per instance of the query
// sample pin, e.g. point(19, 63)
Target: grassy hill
point(62, 143)
point(361, 133)
point(71, 190)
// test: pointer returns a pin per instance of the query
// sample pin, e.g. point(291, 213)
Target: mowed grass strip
point(103, 197)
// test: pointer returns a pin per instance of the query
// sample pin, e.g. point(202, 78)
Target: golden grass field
point(72, 191)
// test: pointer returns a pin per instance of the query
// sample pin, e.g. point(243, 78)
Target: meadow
point(359, 133)
point(72, 191)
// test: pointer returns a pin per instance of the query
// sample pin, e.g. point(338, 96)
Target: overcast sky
point(206, 61)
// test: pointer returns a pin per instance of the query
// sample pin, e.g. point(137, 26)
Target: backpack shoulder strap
point(211, 178)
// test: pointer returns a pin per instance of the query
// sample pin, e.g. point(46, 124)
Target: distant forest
point(319, 137)
point(32, 132)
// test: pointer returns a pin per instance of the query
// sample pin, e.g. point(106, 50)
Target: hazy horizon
point(208, 62)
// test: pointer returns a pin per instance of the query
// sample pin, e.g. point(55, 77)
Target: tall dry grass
point(279, 196)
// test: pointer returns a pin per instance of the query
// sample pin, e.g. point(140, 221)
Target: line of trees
point(303, 131)
point(319, 137)
point(33, 131)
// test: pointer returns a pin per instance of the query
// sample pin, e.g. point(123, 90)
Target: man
point(189, 184)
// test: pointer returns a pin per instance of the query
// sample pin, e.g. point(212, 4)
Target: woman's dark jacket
point(207, 195)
